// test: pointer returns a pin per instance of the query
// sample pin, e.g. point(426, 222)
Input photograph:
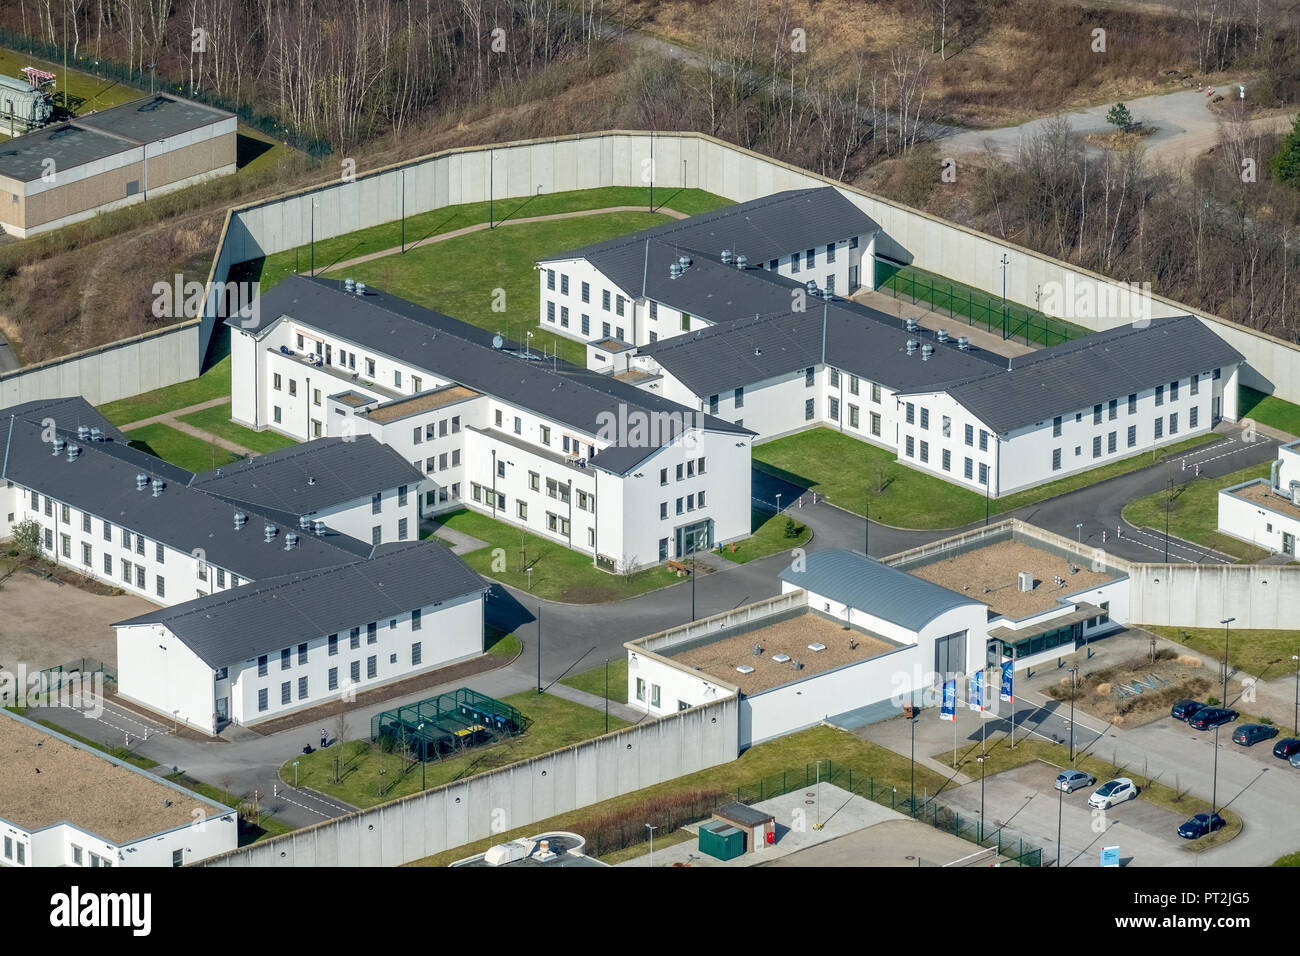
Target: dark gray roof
point(234, 626)
point(760, 229)
point(68, 413)
point(152, 118)
point(102, 482)
point(68, 145)
point(863, 583)
point(462, 353)
point(1067, 378)
point(311, 476)
point(858, 339)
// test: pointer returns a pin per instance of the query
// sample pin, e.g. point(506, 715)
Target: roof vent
point(304, 523)
point(758, 351)
point(911, 346)
point(141, 481)
point(726, 257)
point(96, 434)
point(742, 262)
point(817, 647)
point(83, 432)
point(926, 351)
point(349, 284)
point(59, 445)
point(796, 665)
point(963, 343)
point(674, 271)
point(269, 532)
point(318, 527)
point(360, 288)
point(942, 335)
point(684, 261)
point(1025, 580)
point(781, 658)
point(73, 452)
point(240, 520)
point(810, 286)
point(157, 487)
point(311, 480)
point(290, 541)
point(744, 669)
point(910, 325)
point(758, 650)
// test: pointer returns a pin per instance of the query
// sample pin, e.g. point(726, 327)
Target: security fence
point(941, 295)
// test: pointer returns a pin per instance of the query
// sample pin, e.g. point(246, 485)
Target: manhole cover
point(810, 793)
point(909, 858)
point(809, 802)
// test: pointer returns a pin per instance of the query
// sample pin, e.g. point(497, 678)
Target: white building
point(572, 455)
point(1266, 511)
point(855, 639)
point(48, 817)
point(293, 642)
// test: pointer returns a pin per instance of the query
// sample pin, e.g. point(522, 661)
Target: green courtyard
point(1268, 410)
point(1194, 512)
point(857, 476)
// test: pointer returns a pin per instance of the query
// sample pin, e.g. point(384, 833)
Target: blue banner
point(977, 691)
point(1007, 667)
point(949, 709)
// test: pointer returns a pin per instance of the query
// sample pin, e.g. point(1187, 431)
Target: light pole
point(1225, 622)
point(818, 825)
point(1169, 494)
point(866, 532)
point(1073, 673)
point(778, 502)
point(1078, 533)
point(1214, 787)
point(424, 757)
point(1060, 798)
point(539, 648)
point(1005, 260)
point(1296, 658)
point(313, 237)
point(652, 843)
point(986, 492)
point(981, 759)
point(912, 720)
point(607, 695)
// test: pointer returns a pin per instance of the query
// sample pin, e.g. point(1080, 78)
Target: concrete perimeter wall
point(465, 811)
point(621, 158)
point(109, 372)
point(1259, 596)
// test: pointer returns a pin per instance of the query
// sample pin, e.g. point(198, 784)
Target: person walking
point(324, 738)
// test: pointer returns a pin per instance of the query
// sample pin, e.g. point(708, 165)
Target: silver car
point(1071, 780)
point(1109, 794)
point(1295, 760)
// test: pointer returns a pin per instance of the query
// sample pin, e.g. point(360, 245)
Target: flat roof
point(990, 574)
point(423, 402)
point(610, 345)
point(66, 145)
point(1261, 493)
point(48, 780)
point(719, 658)
point(153, 118)
point(354, 399)
point(635, 376)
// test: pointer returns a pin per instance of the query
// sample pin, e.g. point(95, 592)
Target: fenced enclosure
point(446, 724)
point(988, 311)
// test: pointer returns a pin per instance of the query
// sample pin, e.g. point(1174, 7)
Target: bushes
point(627, 826)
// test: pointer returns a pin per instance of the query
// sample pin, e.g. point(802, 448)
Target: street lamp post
point(1060, 798)
point(981, 759)
point(424, 757)
point(652, 843)
point(539, 648)
point(1073, 673)
point(607, 695)
point(1169, 494)
point(912, 721)
point(1005, 261)
point(1078, 533)
point(866, 533)
point(1225, 622)
point(1296, 658)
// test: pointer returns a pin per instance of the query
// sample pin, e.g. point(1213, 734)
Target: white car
point(1109, 794)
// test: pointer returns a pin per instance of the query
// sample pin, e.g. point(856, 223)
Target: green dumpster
point(721, 840)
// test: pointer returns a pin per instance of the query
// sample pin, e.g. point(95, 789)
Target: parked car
point(1185, 708)
point(1071, 780)
point(1287, 747)
point(1295, 761)
point(1210, 717)
point(1201, 824)
point(1109, 794)
point(1250, 734)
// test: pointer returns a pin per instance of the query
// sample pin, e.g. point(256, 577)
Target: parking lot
point(46, 623)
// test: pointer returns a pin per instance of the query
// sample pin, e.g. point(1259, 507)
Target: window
point(690, 502)
point(276, 382)
point(586, 324)
point(302, 687)
point(654, 695)
point(713, 404)
point(970, 435)
point(302, 653)
point(108, 531)
point(984, 474)
point(808, 410)
point(550, 312)
point(618, 305)
point(261, 699)
point(550, 279)
point(370, 368)
point(1132, 435)
point(875, 393)
point(1195, 382)
point(925, 451)
point(1056, 427)
point(76, 856)
point(564, 316)
point(160, 586)
point(875, 424)
point(1173, 391)
point(139, 544)
point(834, 410)
point(808, 378)
point(1173, 423)
point(534, 480)
point(261, 666)
point(947, 460)
point(1056, 459)
point(1160, 428)
point(85, 524)
point(984, 440)
point(1096, 414)
point(293, 386)
point(1160, 395)
point(794, 262)
point(679, 505)
point(65, 545)
point(372, 667)
point(1133, 404)
point(910, 446)
point(1113, 410)
point(969, 469)
point(333, 644)
point(333, 679)
point(286, 692)
point(586, 292)
point(376, 502)
point(910, 413)
point(854, 382)
point(277, 414)
point(663, 510)
point(739, 397)
point(1193, 417)
point(139, 576)
point(285, 654)
point(372, 632)
point(377, 534)
point(830, 252)
point(564, 285)
point(925, 418)
point(521, 508)
point(1096, 446)
point(810, 257)
point(835, 378)
point(354, 672)
point(418, 436)
point(640, 694)
point(108, 564)
point(1111, 442)
point(416, 654)
point(853, 416)
point(86, 556)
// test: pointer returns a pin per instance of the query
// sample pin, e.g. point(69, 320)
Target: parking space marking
point(312, 795)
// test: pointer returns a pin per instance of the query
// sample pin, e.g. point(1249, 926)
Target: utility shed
point(23, 107)
point(758, 827)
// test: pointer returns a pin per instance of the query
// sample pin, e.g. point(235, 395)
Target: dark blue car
point(1199, 825)
point(1185, 708)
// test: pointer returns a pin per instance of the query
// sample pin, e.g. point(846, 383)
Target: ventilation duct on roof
point(59, 445)
point(674, 271)
point(360, 288)
point(240, 520)
point(290, 541)
point(157, 487)
point(911, 346)
point(304, 523)
point(926, 351)
point(73, 452)
point(942, 335)
point(269, 532)
point(910, 325)
point(141, 481)
point(349, 285)
point(96, 434)
point(83, 432)
point(742, 262)
point(726, 257)
point(318, 526)
point(963, 343)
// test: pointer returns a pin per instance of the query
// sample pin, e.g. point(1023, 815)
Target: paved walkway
point(479, 227)
point(172, 419)
point(596, 702)
point(929, 318)
point(461, 543)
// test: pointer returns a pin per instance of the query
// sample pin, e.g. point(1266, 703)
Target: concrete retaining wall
point(116, 370)
point(1259, 596)
point(515, 796)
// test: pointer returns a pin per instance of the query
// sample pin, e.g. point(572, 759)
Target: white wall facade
point(1269, 528)
point(62, 844)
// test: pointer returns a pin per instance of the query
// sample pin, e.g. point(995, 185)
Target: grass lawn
point(554, 723)
point(849, 472)
point(1291, 859)
point(83, 92)
point(1194, 512)
point(214, 383)
point(450, 218)
point(765, 761)
point(1263, 654)
point(593, 681)
point(501, 644)
point(558, 573)
point(1166, 793)
point(767, 536)
point(217, 420)
point(499, 259)
point(1268, 410)
point(178, 448)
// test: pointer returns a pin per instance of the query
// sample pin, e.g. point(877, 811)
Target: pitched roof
point(866, 585)
point(462, 353)
point(1075, 375)
point(760, 229)
point(311, 476)
point(239, 624)
point(68, 413)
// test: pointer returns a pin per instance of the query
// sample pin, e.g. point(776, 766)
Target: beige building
point(71, 171)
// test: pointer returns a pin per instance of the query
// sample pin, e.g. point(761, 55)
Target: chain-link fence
point(143, 81)
point(978, 308)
